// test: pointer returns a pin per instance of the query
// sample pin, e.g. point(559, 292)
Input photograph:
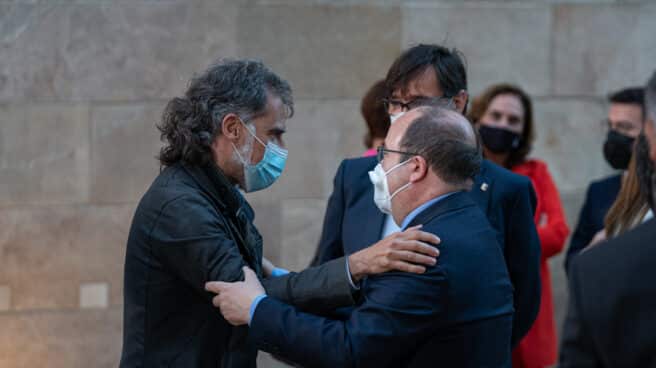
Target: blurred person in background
point(503, 115)
point(624, 123)
point(630, 209)
point(610, 318)
point(372, 108)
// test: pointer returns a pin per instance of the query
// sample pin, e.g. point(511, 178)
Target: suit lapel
point(375, 218)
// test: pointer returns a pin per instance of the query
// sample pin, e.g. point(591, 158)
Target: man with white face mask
point(193, 225)
point(457, 314)
point(432, 75)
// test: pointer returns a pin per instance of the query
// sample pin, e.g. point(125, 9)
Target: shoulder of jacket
point(510, 180)
point(601, 184)
point(357, 166)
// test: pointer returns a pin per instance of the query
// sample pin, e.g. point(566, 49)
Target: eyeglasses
point(394, 104)
point(381, 151)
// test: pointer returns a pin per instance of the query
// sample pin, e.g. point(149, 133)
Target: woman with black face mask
point(504, 118)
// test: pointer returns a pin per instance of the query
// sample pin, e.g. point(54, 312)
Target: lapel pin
point(484, 187)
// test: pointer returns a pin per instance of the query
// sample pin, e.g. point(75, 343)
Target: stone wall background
point(83, 82)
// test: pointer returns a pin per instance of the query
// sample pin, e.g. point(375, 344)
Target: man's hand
point(405, 251)
point(235, 298)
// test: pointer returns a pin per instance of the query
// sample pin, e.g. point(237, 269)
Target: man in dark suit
point(430, 75)
point(457, 314)
point(610, 320)
point(625, 117)
point(193, 225)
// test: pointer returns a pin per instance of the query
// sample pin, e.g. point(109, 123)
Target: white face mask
point(396, 117)
point(382, 196)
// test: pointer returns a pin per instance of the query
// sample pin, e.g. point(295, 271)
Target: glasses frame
point(381, 150)
point(442, 101)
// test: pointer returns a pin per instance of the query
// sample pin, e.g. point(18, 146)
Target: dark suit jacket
point(353, 222)
point(598, 200)
point(181, 238)
point(611, 318)
point(457, 314)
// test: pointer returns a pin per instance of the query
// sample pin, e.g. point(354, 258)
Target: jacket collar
point(230, 203)
point(217, 186)
point(451, 203)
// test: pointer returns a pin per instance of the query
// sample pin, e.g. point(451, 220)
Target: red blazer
point(539, 348)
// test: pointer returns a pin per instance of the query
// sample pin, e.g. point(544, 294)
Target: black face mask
point(499, 140)
point(645, 171)
point(618, 149)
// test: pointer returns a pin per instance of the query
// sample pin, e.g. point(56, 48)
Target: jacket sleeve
point(193, 243)
point(554, 231)
point(398, 310)
point(318, 289)
point(330, 243)
point(576, 349)
point(585, 231)
point(523, 257)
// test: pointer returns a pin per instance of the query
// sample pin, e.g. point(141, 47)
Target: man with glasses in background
point(624, 123)
point(434, 75)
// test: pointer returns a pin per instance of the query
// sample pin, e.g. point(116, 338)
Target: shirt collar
point(411, 216)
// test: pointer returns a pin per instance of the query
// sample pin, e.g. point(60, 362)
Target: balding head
point(447, 142)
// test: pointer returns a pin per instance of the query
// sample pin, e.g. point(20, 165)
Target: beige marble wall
point(83, 83)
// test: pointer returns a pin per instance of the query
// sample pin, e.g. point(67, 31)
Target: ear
point(420, 169)
point(460, 100)
point(231, 127)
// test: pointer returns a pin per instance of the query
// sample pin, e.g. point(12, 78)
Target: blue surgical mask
point(267, 171)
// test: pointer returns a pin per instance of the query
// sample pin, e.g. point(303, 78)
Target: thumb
point(249, 275)
point(216, 286)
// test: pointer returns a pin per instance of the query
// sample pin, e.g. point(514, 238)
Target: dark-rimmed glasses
point(381, 150)
point(395, 105)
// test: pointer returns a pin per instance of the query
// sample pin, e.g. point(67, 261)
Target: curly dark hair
point(190, 123)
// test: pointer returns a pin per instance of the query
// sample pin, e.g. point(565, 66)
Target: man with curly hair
point(193, 226)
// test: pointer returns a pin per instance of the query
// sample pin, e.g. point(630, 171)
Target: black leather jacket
point(190, 227)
